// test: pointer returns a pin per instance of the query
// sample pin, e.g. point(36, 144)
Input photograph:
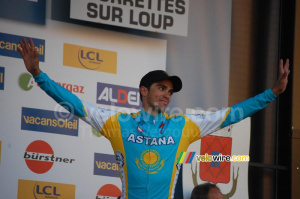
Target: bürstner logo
point(43, 190)
point(123, 96)
point(2, 72)
point(49, 121)
point(39, 157)
point(105, 165)
point(90, 58)
point(108, 191)
point(9, 44)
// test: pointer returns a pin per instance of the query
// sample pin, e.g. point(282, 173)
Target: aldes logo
point(43, 190)
point(39, 157)
point(90, 58)
point(49, 121)
point(105, 165)
point(115, 95)
point(2, 75)
point(9, 44)
point(108, 191)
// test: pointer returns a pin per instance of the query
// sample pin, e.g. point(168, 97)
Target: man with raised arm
point(147, 144)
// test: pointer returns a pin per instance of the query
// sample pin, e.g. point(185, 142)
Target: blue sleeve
point(248, 107)
point(61, 95)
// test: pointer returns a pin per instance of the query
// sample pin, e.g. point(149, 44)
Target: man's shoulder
point(175, 116)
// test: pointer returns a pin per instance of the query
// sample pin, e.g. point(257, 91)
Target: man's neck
point(151, 111)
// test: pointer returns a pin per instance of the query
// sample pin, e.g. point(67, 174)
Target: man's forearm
point(60, 94)
point(248, 107)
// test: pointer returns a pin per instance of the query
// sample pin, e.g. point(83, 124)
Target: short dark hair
point(201, 191)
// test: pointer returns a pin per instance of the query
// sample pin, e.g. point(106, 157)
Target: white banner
point(163, 16)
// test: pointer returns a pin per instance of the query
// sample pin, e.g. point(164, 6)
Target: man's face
point(158, 97)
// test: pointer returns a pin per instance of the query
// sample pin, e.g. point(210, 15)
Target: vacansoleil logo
point(39, 157)
point(2, 72)
point(9, 44)
point(49, 121)
point(43, 190)
point(105, 165)
point(211, 158)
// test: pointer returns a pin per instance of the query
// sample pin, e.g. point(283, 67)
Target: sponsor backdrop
point(46, 152)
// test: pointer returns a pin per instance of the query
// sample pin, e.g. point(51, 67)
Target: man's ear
point(144, 91)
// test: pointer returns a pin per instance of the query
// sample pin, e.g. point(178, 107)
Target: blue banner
point(49, 121)
point(105, 165)
point(9, 44)
point(33, 11)
point(2, 75)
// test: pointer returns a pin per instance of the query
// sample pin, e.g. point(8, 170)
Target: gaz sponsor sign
point(49, 121)
point(41, 190)
point(26, 83)
point(90, 58)
point(116, 95)
point(9, 44)
point(164, 16)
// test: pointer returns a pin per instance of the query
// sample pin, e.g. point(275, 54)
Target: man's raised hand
point(283, 77)
point(30, 56)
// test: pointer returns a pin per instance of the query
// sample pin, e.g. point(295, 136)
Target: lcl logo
point(41, 190)
point(89, 59)
point(46, 190)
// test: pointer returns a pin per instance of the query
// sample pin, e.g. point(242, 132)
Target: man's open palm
point(30, 56)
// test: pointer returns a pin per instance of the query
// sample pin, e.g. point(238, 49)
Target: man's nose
point(167, 95)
